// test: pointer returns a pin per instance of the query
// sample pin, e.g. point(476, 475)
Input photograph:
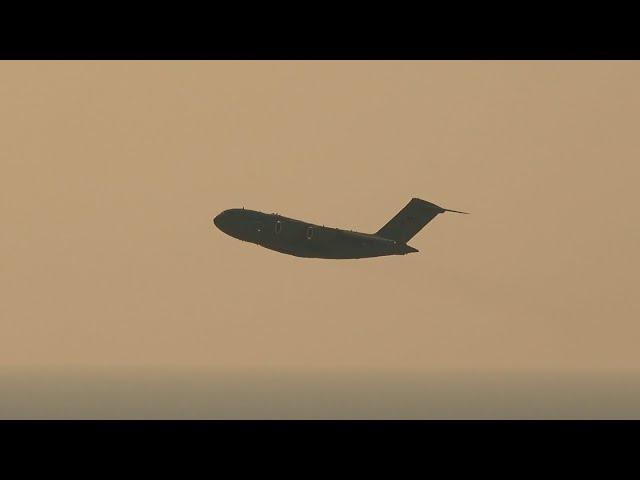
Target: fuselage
point(304, 239)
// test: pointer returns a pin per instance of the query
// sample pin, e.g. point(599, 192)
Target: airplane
point(304, 239)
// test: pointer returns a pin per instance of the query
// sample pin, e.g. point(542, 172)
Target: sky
point(111, 173)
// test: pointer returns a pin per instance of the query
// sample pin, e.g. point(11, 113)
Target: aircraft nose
point(223, 221)
point(217, 221)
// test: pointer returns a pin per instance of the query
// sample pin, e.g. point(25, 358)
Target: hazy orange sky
point(111, 172)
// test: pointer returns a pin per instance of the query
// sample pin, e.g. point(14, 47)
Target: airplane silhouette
point(304, 239)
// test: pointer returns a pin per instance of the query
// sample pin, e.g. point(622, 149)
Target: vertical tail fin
point(411, 219)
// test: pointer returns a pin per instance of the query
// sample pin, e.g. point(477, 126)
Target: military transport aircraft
point(303, 239)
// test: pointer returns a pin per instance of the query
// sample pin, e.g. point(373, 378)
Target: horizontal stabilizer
point(455, 211)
